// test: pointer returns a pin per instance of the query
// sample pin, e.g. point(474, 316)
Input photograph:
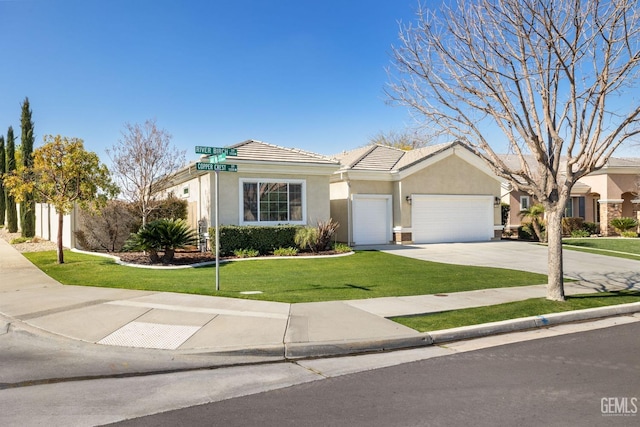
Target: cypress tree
point(27, 208)
point(12, 212)
point(3, 201)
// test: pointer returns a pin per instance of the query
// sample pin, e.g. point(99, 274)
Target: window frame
point(528, 203)
point(258, 182)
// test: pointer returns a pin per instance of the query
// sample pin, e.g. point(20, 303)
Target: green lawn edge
point(627, 248)
point(514, 310)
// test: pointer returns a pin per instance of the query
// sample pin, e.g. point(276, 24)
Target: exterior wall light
point(408, 199)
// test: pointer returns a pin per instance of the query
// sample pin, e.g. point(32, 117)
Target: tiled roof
point(262, 151)
point(383, 158)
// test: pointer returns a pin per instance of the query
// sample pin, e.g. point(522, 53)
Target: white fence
point(47, 225)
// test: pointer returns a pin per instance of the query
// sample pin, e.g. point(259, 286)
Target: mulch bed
point(189, 257)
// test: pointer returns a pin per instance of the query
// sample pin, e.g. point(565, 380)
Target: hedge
point(263, 239)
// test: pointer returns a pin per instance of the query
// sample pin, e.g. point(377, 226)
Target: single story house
point(610, 192)
point(273, 185)
point(439, 193)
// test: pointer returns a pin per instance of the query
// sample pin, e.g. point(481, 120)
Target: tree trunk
point(555, 286)
point(60, 224)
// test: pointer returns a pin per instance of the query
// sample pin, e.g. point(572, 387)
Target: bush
point(290, 251)
point(623, 224)
point(629, 233)
point(106, 229)
point(263, 239)
point(316, 239)
point(163, 235)
point(591, 227)
point(504, 212)
point(580, 233)
point(571, 224)
point(341, 248)
point(525, 232)
point(246, 253)
point(20, 240)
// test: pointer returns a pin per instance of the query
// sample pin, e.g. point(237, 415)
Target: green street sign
point(218, 159)
point(219, 167)
point(211, 151)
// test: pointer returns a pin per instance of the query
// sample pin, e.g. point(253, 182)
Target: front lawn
point(513, 310)
point(620, 247)
point(366, 274)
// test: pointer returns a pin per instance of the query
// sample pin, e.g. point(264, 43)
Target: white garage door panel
point(371, 220)
point(452, 218)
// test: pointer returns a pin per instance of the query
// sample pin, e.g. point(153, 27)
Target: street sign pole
point(217, 201)
point(217, 155)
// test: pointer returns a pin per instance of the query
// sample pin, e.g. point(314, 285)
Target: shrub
point(504, 212)
point(316, 239)
point(580, 233)
point(341, 248)
point(19, 240)
point(264, 239)
point(306, 238)
point(591, 227)
point(290, 251)
point(525, 232)
point(629, 233)
point(246, 253)
point(163, 235)
point(571, 224)
point(106, 229)
point(623, 224)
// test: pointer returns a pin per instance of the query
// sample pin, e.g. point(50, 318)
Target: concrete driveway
point(603, 272)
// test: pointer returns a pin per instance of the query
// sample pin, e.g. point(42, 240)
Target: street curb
point(347, 347)
point(532, 322)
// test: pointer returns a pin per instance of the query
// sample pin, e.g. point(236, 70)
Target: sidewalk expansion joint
point(62, 309)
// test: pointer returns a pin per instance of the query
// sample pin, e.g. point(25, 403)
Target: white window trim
point(528, 203)
point(183, 194)
point(271, 181)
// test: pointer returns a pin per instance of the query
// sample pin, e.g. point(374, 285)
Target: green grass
point(513, 310)
point(366, 274)
point(603, 246)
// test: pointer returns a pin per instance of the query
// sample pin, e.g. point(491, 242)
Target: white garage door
point(451, 218)
point(371, 219)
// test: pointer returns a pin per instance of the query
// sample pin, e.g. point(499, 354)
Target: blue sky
point(296, 73)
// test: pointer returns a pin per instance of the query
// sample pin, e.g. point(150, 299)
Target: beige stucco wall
point(202, 191)
point(451, 175)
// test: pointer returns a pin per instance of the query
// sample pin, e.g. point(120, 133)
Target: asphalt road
point(582, 379)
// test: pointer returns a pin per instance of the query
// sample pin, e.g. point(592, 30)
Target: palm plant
point(535, 214)
point(162, 235)
point(623, 224)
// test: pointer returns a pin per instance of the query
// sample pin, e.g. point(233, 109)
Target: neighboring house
point(440, 193)
point(273, 185)
point(610, 192)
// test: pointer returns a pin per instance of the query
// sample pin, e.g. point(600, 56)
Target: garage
point(372, 222)
point(451, 218)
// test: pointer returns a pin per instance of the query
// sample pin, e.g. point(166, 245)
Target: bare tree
point(143, 161)
point(405, 140)
point(553, 77)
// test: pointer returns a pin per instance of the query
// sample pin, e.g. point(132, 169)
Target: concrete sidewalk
point(192, 324)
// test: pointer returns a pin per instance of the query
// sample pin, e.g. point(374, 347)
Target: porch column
point(609, 209)
point(636, 212)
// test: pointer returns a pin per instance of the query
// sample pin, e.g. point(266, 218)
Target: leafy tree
point(3, 200)
point(164, 235)
point(12, 211)
point(535, 214)
point(143, 162)
point(27, 207)
point(552, 77)
point(63, 173)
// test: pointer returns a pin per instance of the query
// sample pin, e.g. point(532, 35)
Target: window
point(524, 203)
point(185, 191)
point(575, 207)
point(270, 201)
